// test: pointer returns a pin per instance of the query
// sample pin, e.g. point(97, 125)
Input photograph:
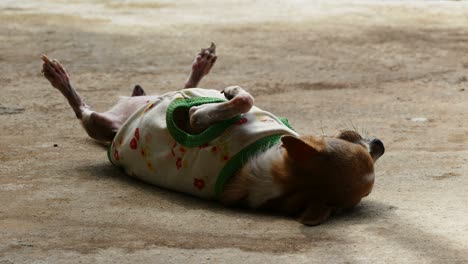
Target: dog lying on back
point(220, 146)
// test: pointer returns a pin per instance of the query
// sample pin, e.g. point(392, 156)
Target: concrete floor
point(397, 70)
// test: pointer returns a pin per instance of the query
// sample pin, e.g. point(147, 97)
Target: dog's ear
point(315, 215)
point(298, 149)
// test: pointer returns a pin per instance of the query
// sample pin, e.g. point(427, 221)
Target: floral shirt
point(151, 147)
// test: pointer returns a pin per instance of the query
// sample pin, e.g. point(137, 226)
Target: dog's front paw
point(231, 91)
point(204, 61)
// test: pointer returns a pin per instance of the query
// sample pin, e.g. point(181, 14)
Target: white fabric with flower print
point(148, 148)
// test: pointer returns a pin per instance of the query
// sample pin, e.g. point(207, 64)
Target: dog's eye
point(351, 136)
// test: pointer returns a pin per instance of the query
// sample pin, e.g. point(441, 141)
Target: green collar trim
point(189, 140)
point(238, 161)
point(286, 123)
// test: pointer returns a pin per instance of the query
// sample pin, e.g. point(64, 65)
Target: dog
point(218, 145)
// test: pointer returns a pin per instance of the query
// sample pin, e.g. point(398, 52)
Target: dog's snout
point(377, 142)
point(377, 148)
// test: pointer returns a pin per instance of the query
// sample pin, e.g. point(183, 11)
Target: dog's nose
point(377, 148)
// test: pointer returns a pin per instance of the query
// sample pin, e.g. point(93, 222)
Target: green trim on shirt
point(238, 161)
point(189, 140)
point(286, 123)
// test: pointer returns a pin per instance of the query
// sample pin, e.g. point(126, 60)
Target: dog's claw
point(45, 59)
point(212, 47)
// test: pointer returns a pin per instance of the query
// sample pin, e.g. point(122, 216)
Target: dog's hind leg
point(201, 66)
point(203, 116)
point(100, 126)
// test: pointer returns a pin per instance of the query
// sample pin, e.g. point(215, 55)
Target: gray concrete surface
point(397, 70)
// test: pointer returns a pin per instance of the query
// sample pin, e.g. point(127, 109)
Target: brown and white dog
point(308, 177)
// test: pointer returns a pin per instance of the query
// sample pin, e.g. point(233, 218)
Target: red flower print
point(116, 155)
point(242, 121)
point(143, 152)
point(137, 133)
point(133, 143)
point(149, 107)
point(182, 150)
point(179, 163)
point(214, 149)
point(199, 183)
point(225, 157)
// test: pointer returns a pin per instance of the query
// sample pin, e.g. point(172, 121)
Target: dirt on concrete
point(394, 70)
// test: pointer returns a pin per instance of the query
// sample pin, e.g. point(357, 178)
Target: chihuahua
point(218, 145)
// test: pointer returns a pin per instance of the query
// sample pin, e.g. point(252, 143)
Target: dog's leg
point(100, 126)
point(201, 66)
point(138, 91)
point(203, 116)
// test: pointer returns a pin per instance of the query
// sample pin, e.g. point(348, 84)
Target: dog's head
point(325, 174)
